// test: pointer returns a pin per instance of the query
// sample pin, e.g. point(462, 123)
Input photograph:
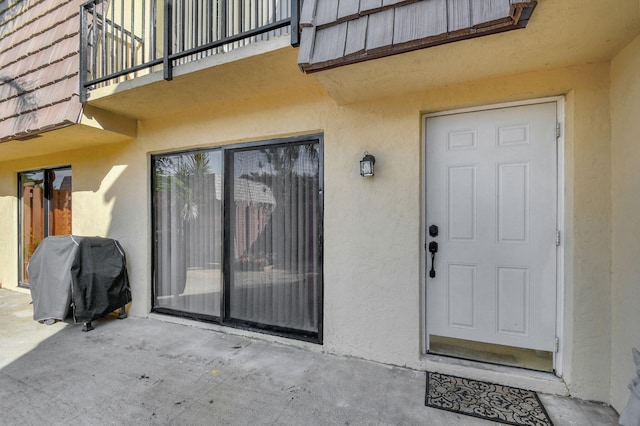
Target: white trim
point(560, 211)
point(424, 342)
point(536, 101)
point(560, 249)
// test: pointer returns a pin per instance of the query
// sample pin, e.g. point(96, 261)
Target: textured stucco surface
point(8, 229)
point(590, 219)
point(560, 33)
point(588, 52)
point(372, 252)
point(625, 128)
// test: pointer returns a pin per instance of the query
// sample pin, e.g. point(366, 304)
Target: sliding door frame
point(315, 337)
point(225, 318)
point(46, 207)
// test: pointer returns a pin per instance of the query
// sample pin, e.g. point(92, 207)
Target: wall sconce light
point(366, 165)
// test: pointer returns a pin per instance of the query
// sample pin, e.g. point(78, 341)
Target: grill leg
point(123, 313)
point(87, 326)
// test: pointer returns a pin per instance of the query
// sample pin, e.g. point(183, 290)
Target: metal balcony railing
point(125, 39)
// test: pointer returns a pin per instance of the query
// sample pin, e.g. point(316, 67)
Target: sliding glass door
point(238, 236)
point(273, 220)
point(45, 209)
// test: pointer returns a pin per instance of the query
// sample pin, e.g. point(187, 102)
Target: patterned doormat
point(485, 400)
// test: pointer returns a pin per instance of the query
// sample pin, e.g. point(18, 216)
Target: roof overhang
point(94, 127)
point(347, 39)
point(559, 34)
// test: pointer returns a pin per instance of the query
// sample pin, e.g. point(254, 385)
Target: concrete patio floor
point(141, 371)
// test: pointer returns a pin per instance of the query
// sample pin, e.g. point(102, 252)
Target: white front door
point(491, 190)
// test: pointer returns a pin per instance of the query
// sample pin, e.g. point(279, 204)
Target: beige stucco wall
point(102, 205)
point(587, 203)
point(625, 128)
point(372, 250)
point(8, 229)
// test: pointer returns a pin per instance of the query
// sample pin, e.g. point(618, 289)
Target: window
point(45, 209)
point(238, 236)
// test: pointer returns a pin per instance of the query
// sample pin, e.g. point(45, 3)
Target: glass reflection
point(188, 212)
point(275, 225)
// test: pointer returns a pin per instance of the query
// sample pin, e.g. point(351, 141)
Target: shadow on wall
point(125, 191)
point(110, 199)
point(109, 196)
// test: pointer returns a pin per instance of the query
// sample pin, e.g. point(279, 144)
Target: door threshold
point(491, 353)
point(537, 381)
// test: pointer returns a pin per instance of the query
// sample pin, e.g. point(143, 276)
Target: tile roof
point(39, 66)
point(340, 32)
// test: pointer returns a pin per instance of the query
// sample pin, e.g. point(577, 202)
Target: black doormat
point(489, 401)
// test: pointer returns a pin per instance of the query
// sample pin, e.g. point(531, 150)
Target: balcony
point(122, 40)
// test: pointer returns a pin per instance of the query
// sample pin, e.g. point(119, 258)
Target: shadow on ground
point(146, 371)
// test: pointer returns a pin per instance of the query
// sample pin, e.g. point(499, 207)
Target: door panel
point(187, 212)
point(33, 218)
point(45, 210)
point(59, 190)
point(274, 274)
point(492, 190)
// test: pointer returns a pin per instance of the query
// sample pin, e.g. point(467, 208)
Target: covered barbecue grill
point(83, 278)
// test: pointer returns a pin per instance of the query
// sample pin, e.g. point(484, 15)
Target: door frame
point(224, 318)
point(560, 221)
point(46, 212)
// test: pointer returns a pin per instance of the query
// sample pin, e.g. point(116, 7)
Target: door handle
point(433, 249)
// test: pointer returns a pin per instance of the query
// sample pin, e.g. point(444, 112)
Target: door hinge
point(557, 238)
point(556, 346)
point(558, 127)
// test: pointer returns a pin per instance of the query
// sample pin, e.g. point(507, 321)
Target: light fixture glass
point(366, 165)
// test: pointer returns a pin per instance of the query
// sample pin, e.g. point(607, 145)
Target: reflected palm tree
point(180, 171)
point(180, 178)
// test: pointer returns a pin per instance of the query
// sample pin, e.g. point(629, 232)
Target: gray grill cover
point(85, 277)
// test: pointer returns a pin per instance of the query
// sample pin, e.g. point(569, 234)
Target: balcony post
point(295, 23)
point(168, 40)
point(84, 45)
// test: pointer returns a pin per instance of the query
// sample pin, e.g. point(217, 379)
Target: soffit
point(560, 33)
point(247, 78)
point(63, 139)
